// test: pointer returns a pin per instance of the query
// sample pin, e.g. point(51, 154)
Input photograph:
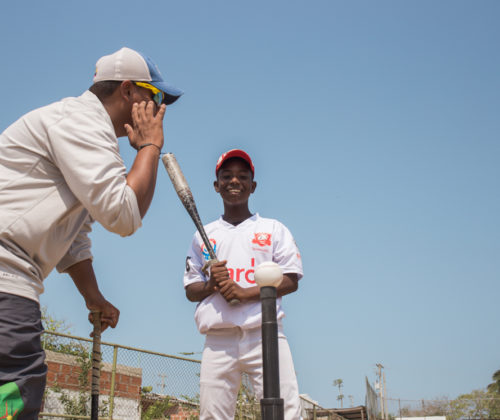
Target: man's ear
point(216, 186)
point(126, 89)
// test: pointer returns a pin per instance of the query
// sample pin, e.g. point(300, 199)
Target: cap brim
point(169, 99)
point(171, 93)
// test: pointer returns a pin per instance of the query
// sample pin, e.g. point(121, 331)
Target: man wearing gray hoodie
point(60, 170)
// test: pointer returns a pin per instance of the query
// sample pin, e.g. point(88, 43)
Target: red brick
point(51, 378)
point(52, 366)
point(125, 388)
point(66, 376)
point(71, 380)
point(67, 369)
point(105, 386)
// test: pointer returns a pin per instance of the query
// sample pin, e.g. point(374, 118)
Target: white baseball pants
point(228, 353)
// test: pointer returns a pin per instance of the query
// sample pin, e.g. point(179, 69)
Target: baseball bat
point(184, 192)
point(96, 366)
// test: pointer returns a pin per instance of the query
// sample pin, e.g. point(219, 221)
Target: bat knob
point(234, 301)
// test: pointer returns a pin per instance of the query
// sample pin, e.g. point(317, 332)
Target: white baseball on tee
point(244, 246)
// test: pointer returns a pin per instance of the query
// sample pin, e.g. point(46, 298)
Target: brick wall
point(177, 410)
point(184, 414)
point(64, 369)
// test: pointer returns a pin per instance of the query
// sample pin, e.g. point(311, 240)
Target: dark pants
point(21, 355)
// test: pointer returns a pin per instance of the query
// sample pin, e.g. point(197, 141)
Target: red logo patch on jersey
point(204, 249)
point(262, 239)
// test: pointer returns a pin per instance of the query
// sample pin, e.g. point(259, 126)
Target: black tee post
point(271, 406)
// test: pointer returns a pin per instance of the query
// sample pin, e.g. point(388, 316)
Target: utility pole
point(385, 399)
point(162, 385)
point(380, 390)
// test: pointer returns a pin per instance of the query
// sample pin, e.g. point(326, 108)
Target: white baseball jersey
point(244, 246)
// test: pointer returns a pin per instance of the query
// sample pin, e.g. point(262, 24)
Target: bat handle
point(96, 365)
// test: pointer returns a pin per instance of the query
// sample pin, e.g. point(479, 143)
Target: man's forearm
point(84, 278)
point(82, 274)
point(142, 177)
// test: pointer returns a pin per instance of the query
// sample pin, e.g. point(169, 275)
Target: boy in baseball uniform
point(233, 344)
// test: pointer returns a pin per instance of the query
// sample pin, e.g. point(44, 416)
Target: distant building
point(421, 418)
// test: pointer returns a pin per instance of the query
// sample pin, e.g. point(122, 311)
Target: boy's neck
point(236, 215)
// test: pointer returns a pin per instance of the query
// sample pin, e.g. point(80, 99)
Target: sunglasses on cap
point(158, 95)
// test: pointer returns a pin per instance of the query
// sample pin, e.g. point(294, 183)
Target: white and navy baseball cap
point(127, 64)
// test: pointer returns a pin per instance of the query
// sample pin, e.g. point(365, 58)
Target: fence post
point(113, 376)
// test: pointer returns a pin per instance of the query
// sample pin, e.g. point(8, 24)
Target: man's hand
point(83, 276)
point(147, 128)
point(147, 125)
point(109, 314)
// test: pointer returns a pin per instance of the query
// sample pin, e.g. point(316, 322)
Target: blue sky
point(374, 128)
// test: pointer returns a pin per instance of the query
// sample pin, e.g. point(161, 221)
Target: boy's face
point(235, 181)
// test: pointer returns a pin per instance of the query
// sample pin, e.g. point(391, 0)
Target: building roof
point(352, 413)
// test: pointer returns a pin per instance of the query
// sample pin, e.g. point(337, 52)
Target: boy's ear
point(216, 186)
point(254, 185)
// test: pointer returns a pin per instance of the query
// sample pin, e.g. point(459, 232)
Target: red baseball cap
point(234, 153)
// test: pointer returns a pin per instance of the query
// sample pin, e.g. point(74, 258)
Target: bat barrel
point(184, 192)
point(175, 173)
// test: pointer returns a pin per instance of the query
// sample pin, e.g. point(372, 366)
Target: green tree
point(472, 405)
point(437, 407)
point(339, 383)
point(495, 386)
point(51, 324)
point(158, 406)
point(478, 404)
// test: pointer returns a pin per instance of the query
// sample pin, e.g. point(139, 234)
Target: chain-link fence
point(417, 408)
point(135, 384)
point(478, 404)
